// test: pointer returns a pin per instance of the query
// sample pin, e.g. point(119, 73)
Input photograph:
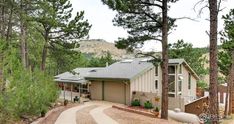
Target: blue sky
point(191, 31)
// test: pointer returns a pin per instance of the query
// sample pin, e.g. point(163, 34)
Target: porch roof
point(76, 76)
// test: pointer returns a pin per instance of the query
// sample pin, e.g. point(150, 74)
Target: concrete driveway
point(101, 112)
point(94, 114)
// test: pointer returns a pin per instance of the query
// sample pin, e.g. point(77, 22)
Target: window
point(171, 83)
point(189, 81)
point(180, 69)
point(156, 70)
point(180, 85)
point(171, 69)
point(156, 84)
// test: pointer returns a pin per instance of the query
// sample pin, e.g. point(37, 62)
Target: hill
point(98, 48)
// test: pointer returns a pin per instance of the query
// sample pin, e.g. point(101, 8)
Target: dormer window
point(156, 70)
point(171, 69)
point(156, 84)
point(189, 81)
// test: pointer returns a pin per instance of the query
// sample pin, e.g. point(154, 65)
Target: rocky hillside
point(99, 48)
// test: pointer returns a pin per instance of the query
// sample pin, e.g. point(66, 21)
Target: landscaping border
point(148, 114)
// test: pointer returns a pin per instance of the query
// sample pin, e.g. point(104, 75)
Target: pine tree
point(213, 87)
point(145, 20)
point(58, 27)
point(226, 57)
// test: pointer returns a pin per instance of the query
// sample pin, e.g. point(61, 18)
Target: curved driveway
point(69, 116)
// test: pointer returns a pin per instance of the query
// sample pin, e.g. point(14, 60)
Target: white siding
point(146, 83)
point(143, 82)
point(188, 94)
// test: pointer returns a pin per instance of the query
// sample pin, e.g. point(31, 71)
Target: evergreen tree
point(102, 61)
point(226, 56)
point(213, 87)
point(180, 49)
point(58, 27)
point(143, 22)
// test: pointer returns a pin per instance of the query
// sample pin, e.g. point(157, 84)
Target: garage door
point(114, 92)
point(96, 90)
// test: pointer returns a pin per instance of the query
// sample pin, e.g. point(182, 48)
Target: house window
point(180, 85)
point(180, 69)
point(171, 69)
point(156, 84)
point(189, 81)
point(156, 70)
point(171, 83)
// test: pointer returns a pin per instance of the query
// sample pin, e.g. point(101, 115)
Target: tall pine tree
point(58, 27)
point(145, 20)
point(226, 57)
point(213, 87)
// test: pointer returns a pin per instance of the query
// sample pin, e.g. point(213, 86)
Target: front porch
point(71, 90)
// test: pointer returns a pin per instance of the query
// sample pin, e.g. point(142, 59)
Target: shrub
point(43, 112)
point(148, 105)
point(156, 109)
point(136, 102)
point(28, 94)
point(65, 102)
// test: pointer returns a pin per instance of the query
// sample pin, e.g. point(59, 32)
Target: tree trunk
point(164, 102)
point(23, 40)
point(9, 26)
point(2, 23)
point(213, 89)
point(231, 84)
point(226, 98)
point(43, 59)
point(23, 37)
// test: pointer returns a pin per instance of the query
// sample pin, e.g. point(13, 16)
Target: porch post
point(79, 90)
point(88, 86)
point(64, 87)
point(71, 90)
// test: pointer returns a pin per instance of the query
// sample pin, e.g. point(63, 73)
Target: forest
point(36, 43)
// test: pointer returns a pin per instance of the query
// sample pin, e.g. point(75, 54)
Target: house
point(128, 79)
point(121, 80)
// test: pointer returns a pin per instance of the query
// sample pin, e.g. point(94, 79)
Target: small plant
point(148, 105)
point(156, 109)
point(136, 102)
point(43, 112)
point(65, 102)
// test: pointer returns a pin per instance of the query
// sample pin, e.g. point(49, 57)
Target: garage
point(112, 91)
point(96, 90)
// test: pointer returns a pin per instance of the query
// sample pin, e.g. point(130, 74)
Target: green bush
point(148, 105)
point(136, 102)
point(202, 84)
point(156, 109)
point(28, 94)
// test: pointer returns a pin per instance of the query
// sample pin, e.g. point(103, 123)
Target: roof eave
point(106, 78)
point(191, 70)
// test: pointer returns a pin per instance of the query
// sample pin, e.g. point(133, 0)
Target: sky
point(100, 16)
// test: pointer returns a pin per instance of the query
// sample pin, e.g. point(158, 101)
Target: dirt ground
point(83, 116)
point(123, 117)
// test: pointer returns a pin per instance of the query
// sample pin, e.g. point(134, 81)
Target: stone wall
point(176, 103)
point(155, 99)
